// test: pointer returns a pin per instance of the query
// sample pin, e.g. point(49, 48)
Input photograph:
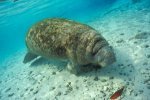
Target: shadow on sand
point(42, 61)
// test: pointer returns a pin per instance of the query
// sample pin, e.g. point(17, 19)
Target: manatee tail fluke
point(29, 57)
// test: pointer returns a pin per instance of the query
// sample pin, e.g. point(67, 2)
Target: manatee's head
point(105, 56)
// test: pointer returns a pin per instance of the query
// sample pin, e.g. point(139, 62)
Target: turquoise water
point(125, 24)
point(17, 17)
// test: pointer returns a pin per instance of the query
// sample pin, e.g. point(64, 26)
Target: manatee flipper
point(73, 68)
point(29, 57)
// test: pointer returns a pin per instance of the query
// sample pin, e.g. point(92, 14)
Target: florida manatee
point(77, 43)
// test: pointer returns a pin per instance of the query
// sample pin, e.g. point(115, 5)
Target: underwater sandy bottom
point(129, 34)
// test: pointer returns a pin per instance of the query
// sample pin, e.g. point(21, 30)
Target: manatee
point(64, 39)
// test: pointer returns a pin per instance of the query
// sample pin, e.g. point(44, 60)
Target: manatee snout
point(105, 56)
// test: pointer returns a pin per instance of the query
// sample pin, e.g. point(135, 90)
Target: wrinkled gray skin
point(64, 39)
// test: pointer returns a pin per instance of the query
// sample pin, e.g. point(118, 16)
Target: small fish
point(117, 94)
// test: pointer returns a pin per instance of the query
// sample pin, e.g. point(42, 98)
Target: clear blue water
point(124, 24)
point(17, 17)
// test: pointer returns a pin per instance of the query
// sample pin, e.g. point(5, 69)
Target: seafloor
point(127, 29)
